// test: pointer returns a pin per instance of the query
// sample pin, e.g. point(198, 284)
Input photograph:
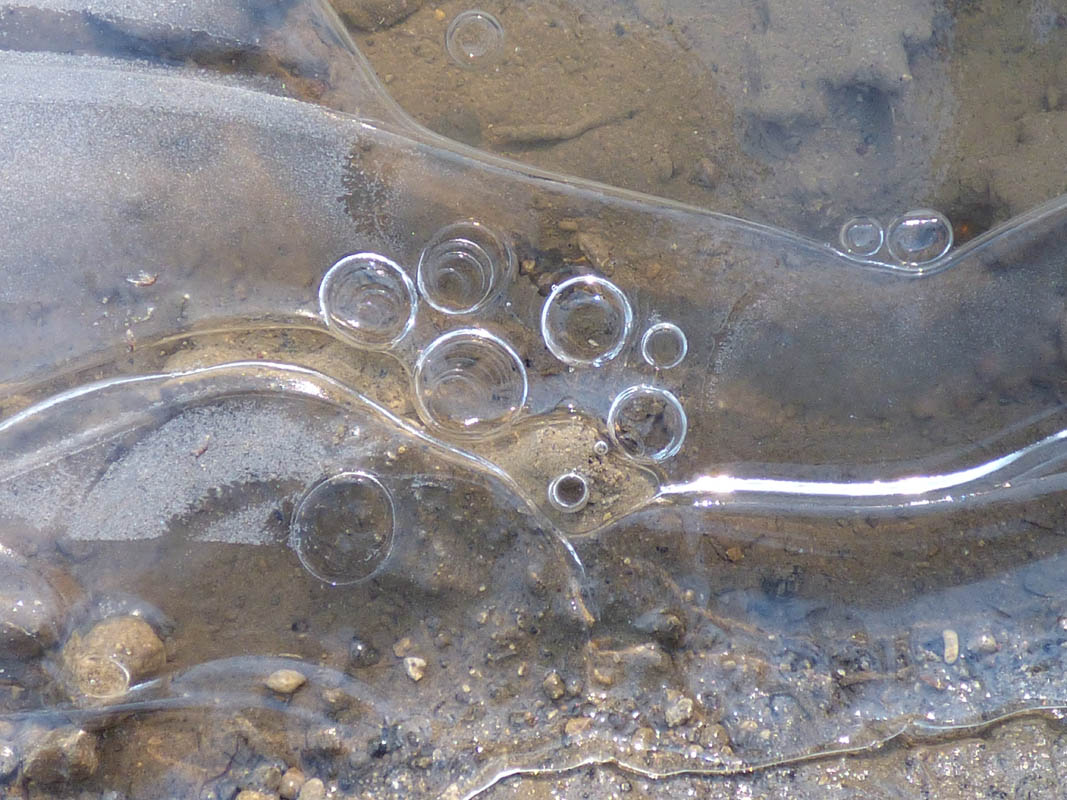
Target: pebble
point(285, 681)
point(705, 173)
point(597, 251)
point(554, 686)
point(1053, 97)
point(115, 654)
point(576, 725)
point(313, 789)
point(362, 653)
point(666, 627)
point(415, 667)
point(292, 781)
point(9, 762)
point(402, 647)
point(61, 755)
point(252, 794)
point(375, 15)
point(679, 711)
point(663, 166)
point(952, 645)
point(30, 610)
point(983, 643)
point(643, 739)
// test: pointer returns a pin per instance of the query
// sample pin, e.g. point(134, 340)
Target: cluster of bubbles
point(915, 239)
point(469, 382)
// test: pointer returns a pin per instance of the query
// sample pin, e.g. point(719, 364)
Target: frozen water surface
point(416, 468)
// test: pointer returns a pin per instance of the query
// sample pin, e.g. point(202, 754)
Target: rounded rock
point(62, 755)
point(30, 610)
point(292, 781)
point(313, 789)
point(285, 681)
point(115, 654)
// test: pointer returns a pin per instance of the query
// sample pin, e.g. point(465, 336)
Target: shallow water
point(518, 473)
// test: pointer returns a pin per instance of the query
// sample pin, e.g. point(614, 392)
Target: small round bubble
point(368, 300)
point(463, 266)
point(664, 345)
point(586, 321)
point(647, 423)
point(475, 39)
point(919, 237)
point(343, 529)
point(469, 383)
point(600, 447)
point(862, 236)
point(568, 493)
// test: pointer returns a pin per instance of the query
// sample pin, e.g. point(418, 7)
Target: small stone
point(663, 166)
point(313, 789)
point(983, 643)
point(362, 653)
point(439, 14)
point(415, 667)
point(1053, 97)
point(597, 251)
point(286, 681)
point(952, 645)
point(9, 762)
point(115, 654)
point(735, 553)
point(679, 711)
point(402, 647)
point(603, 676)
point(60, 756)
point(292, 780)
point(253, 794)
point(554, 686)
point(569, 225)
point(30, 610)
point(666, 627)
point(705, 174)
point(266, 778)
point(643, 739)
point(576, 726)
point(375, 15)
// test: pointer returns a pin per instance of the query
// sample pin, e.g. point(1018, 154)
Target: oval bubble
point(369, 300)
point(568, 492)
point(862, 236)
point(919, 237)
point(475, 39)
point(469, 382)
point(586, 321)
point(647, 423)
point(343, 528)
point(664, 345)
point(463, 267)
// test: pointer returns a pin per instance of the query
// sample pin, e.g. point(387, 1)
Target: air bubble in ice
point(568, 492)
point(474, 38)
point(469, 382)
point(919, 237)
point(862, 236)
point(664, 345)
point(343, 528)
point(463, 266)
point(368, 300)
point(648, 423)
point(586, 321)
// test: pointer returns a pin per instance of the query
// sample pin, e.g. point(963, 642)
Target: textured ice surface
point(833, 521)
